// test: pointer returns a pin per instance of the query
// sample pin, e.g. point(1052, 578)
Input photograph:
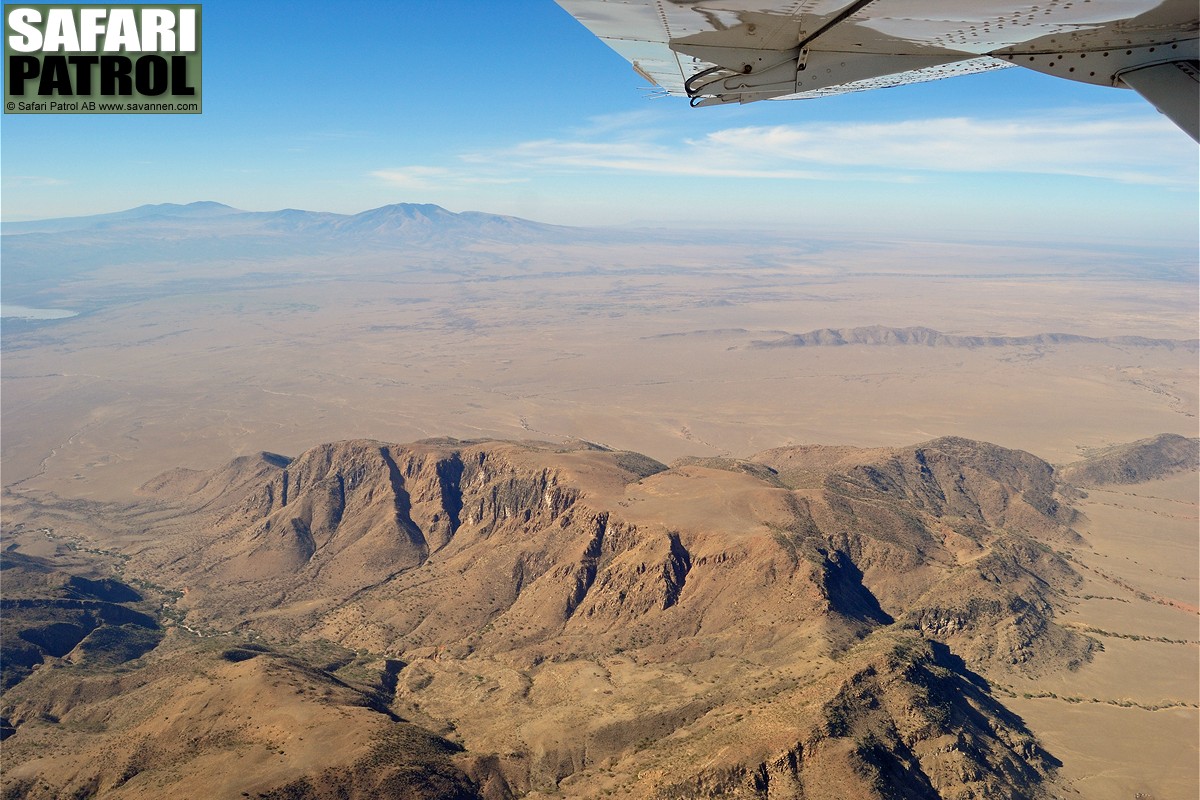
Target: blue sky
point(515, 108)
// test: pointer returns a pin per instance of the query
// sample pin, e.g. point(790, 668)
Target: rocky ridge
point(808, 622)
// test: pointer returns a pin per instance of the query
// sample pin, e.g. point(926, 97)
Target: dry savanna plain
point(133, 442)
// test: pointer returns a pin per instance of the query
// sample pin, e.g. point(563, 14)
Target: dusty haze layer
point(209, 333)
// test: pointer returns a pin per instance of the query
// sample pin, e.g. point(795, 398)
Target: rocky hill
point(916, 336)
point(1135, 462)
point(48, 615)
point(811, 621)
point(208, 718)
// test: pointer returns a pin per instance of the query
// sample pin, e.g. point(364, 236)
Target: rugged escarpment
point(362, 522)
point(537, 551)
point(526, 555)
point(808, 622)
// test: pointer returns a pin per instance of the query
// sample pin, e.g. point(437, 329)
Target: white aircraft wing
point(727, 51)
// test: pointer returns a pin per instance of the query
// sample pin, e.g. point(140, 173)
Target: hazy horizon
point(575, 141)
point(981, 236)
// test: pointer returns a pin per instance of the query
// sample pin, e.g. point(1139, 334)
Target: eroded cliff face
point(342, 519)
point(837, 591)
point(510, 551)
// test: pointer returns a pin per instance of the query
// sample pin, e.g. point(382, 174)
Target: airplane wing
point(740, 51)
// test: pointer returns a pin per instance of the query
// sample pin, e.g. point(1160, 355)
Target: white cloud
point(25, 181)
point(1099, 144)
point(414, 177)
point(425, 177)
point(623, 123)
point(1137, 150)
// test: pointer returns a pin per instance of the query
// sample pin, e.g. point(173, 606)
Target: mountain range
point(171, 248)
point(174, 246)
point(408, 220)
point(494, 619)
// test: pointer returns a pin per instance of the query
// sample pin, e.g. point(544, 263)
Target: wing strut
point(1173, 88)
point(837, 19)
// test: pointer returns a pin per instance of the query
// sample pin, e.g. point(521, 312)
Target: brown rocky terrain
point(505, 619)
point(207, 719)
point(1135, 462)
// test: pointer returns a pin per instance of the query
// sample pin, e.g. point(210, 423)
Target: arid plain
point(672, 346)
point(647, 345)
